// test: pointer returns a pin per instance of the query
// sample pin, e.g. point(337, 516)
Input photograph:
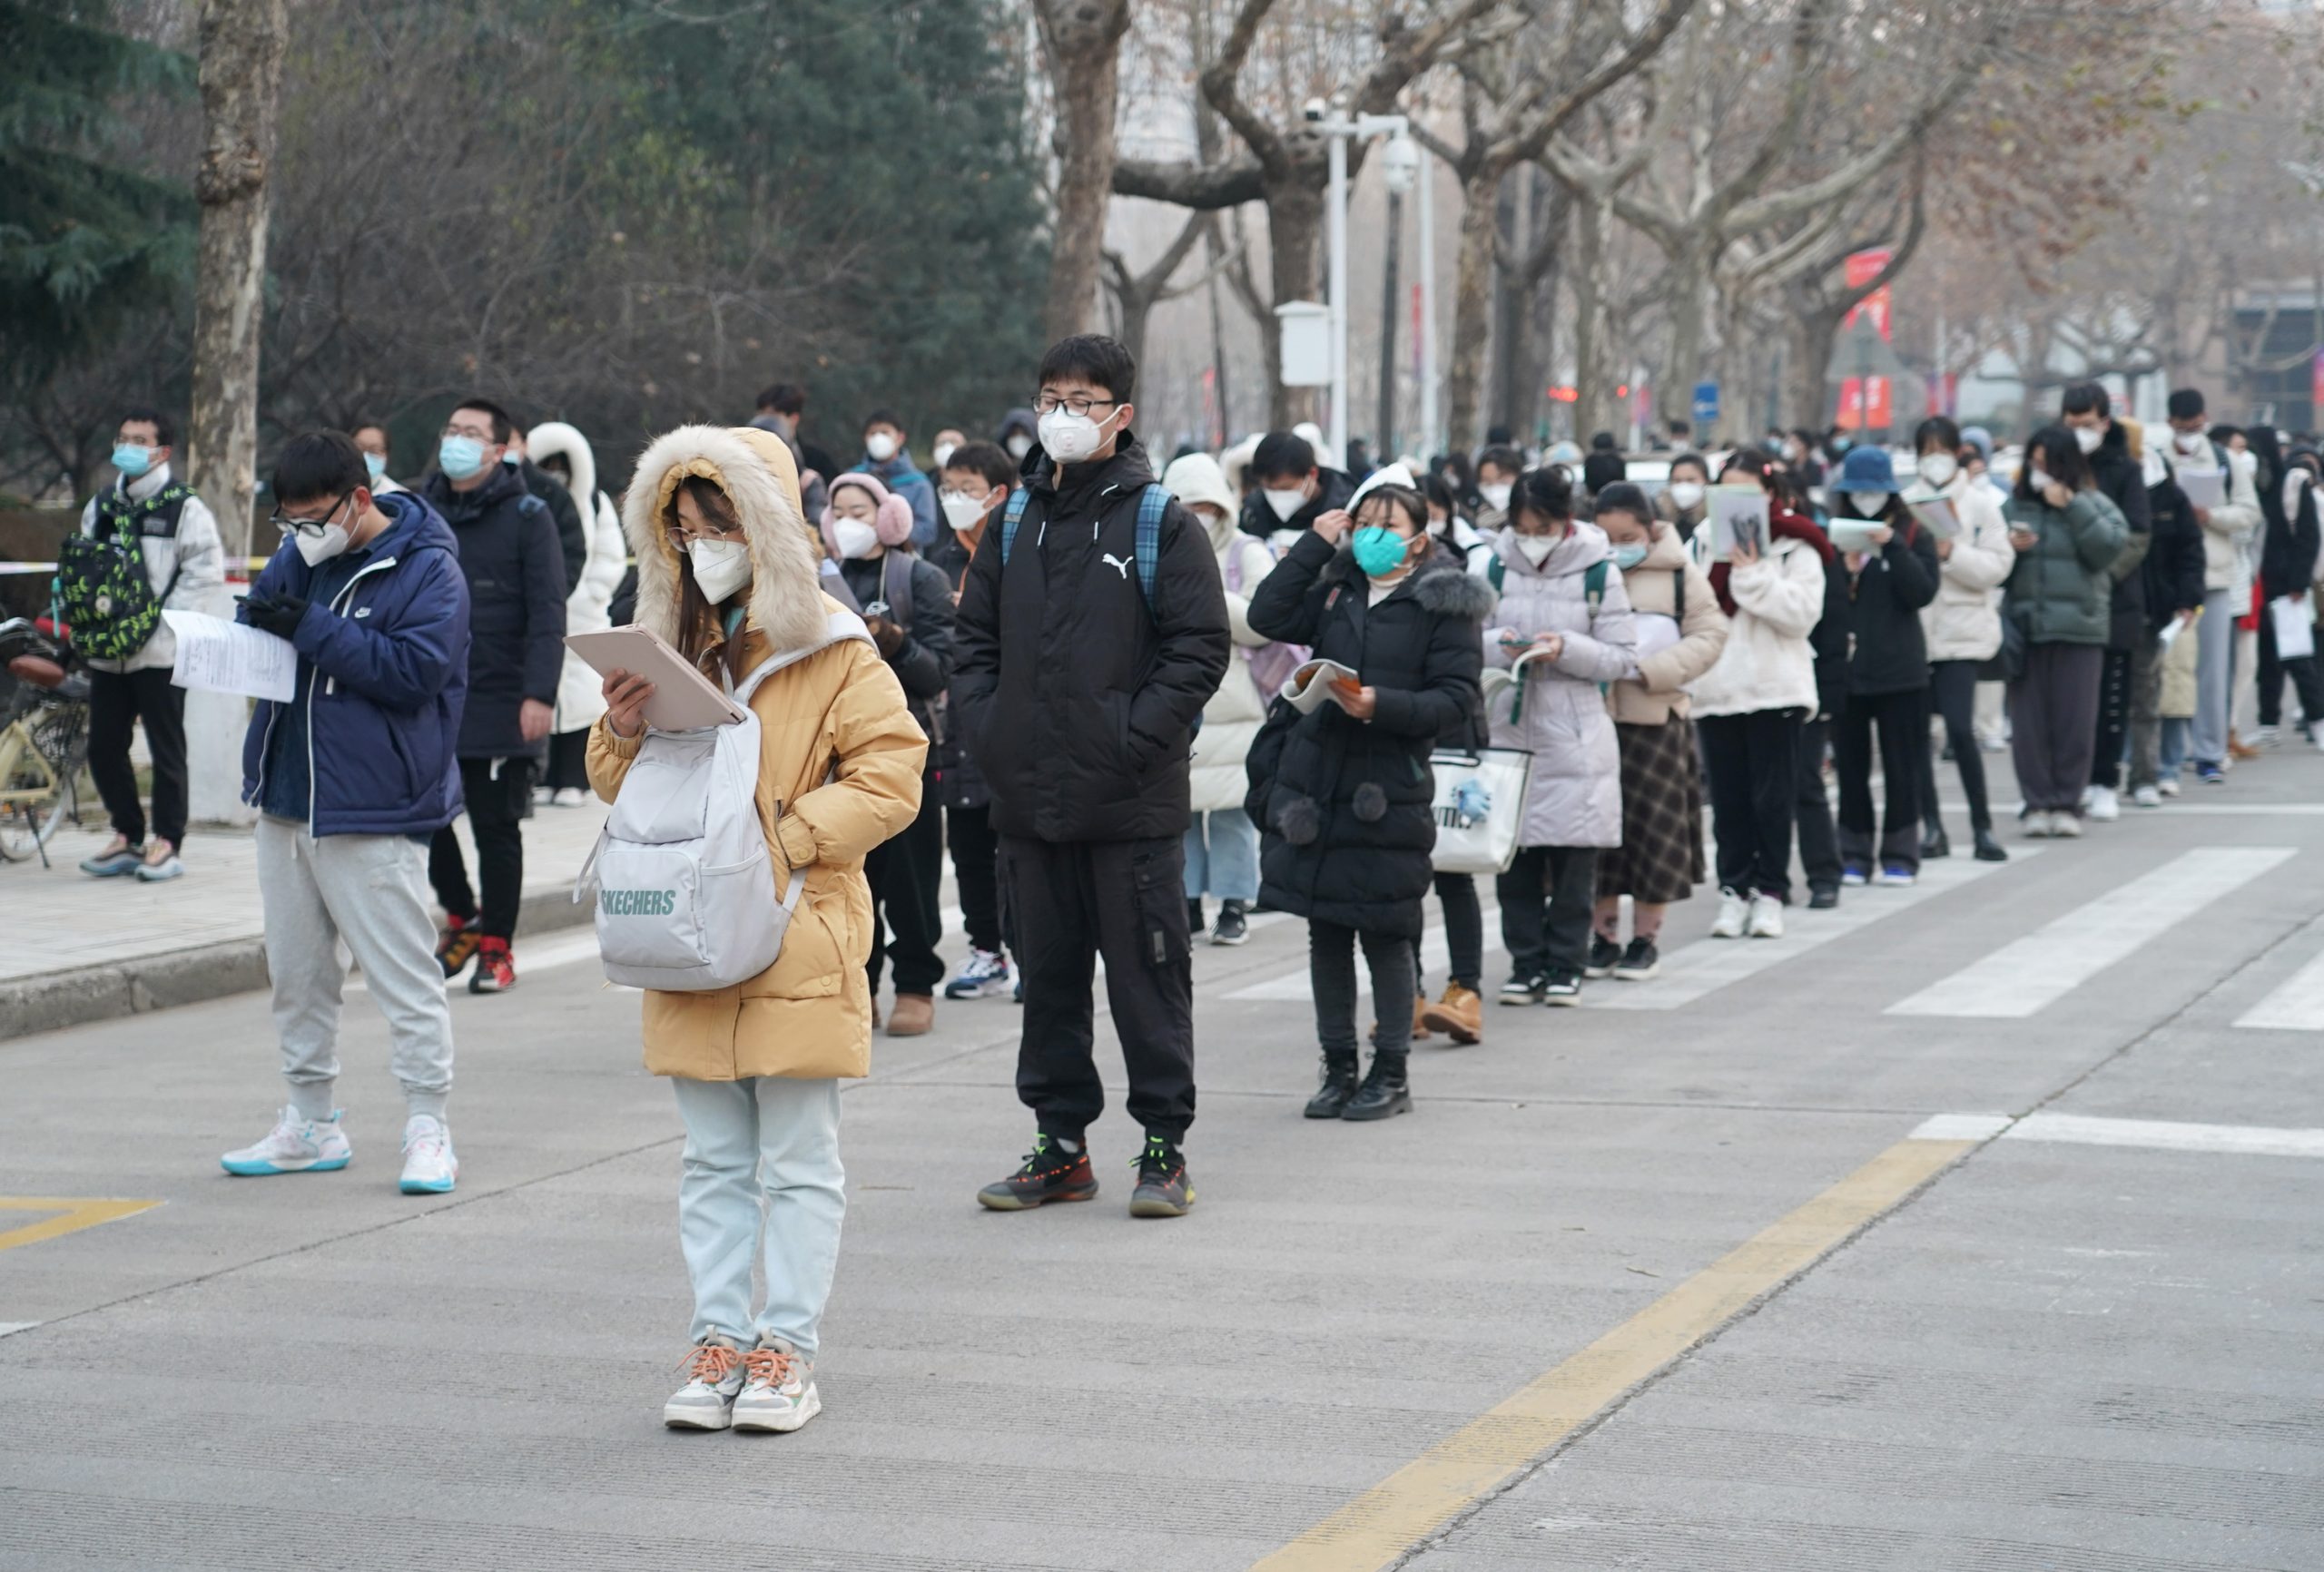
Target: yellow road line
point(73, 1216)
point(1405, 1507)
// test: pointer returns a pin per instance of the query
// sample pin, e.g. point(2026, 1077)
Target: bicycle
point(44, 741)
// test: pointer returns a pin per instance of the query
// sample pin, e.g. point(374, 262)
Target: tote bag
point(1480, 806)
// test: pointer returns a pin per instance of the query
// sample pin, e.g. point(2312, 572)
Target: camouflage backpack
point(103, 590)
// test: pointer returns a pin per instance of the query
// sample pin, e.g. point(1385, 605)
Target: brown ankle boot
point(1460, 1013)
point(912, 1016)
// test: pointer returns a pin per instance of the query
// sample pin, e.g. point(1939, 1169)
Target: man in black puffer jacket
point(2089, 414)
point(1076, 685)
point(1289, 490)
point(2173, 572)
point(515, 570)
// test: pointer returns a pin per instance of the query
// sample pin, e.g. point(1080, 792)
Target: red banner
point(1865, 404)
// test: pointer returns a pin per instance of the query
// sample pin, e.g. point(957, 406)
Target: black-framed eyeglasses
point(311, 527)
point(1073, 404)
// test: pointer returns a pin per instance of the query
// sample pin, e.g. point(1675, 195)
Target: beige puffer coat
point(839, 773)
point(1660, 690)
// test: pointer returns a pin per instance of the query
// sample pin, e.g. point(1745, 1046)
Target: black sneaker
point(1563, 988)
point(1823, 897)
point(1051, 1174)
point(1163, 1189)
point(1523, 989)
point(1232, 929)
point(1604, 956)
point(1639, 962)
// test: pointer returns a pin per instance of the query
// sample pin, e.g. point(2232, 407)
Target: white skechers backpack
point(686, 900)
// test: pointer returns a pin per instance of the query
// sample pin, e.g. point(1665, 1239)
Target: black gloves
point(276, 614)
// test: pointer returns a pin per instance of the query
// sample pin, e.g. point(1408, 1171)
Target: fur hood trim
point(892, 517)
point(755, 471)
point(1455, 592)
point(556, 440)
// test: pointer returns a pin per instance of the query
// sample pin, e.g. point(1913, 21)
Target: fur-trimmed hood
point(1440, 584)
point(556, 440)
point(755, 471)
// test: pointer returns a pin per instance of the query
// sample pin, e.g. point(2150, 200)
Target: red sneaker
point(496, 969)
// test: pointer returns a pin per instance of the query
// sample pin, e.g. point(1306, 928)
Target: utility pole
point(1384, 433)
point(1401, 162)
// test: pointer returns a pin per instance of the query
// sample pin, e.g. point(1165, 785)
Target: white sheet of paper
point(2295, 627)
point(1936, 515)
point(219, 656)
point(1737, 512)
point(2204, 487)
point(1656, 633)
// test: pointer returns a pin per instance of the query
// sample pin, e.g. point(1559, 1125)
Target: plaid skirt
point(1660, 859)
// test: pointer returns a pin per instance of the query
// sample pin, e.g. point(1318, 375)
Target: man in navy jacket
point(352, 776)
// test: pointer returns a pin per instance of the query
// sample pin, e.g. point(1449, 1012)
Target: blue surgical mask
point(1627, 557)
point(376, 465)
point(1380, 551)
point(460, 456)
point(131, 459)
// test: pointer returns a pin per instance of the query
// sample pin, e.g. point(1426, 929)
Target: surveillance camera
point(1314, 110)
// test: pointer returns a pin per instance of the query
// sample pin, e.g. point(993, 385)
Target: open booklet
point(2204, 487)
point(1936, 512)
point(1310, 685)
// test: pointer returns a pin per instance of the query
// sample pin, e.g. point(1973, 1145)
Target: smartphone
point(876, 609)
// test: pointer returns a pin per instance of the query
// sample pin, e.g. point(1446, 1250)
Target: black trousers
point(117, 700)
point(1072, 902)
point(976, 854)
point(2114, 728)
point(1755, 772)
point(569, 760)
point(1903, 721)
point(905, 872)
point(2273, 670)
point(1465, 933)
point(498, 806)
point(1547, 896)
point(1952, 693)
point(1819, 842)
point(1330, 969)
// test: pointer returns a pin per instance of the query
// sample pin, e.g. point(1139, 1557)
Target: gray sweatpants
point(2214, 676)
point(371, 890)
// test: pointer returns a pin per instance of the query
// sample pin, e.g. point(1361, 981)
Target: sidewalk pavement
point(77, 948)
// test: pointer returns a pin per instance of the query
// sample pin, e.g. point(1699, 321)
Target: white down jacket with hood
point(580, 696)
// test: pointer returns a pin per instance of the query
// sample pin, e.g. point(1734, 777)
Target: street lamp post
point(1337, 128)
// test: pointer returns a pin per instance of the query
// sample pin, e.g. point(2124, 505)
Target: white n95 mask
point(719, 567)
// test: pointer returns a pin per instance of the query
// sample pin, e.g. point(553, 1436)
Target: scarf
point(1782, 525)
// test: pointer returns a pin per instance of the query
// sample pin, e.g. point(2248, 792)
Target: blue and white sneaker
point(429, 1166)
point(161, 864)
point(1897, 875)
point(985, 976)
point(118, 860)
point(297, 1144)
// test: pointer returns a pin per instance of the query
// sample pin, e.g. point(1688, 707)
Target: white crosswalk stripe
point(2029, 973)
point(2297, 1005)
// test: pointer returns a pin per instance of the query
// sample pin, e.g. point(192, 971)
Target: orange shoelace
point(711, 1363)
point(769, 1366)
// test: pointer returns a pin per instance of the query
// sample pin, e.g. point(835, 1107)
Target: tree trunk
point(1690, 282)
point(1294, 247)
point(1464, 370)
point(1592, 221)
point(1807, 356)
point(1513, 224)
point(1082, 39)
point(241, 73)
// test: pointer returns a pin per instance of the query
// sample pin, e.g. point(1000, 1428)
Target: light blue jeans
point(2176, 730)
point(761, 1172)
point(1228, 866)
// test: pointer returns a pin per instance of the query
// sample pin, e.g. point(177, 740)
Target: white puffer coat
point(1576, 795)
point(1767, 663)
point(580, 692)
point(1963, 622)
point(1233, 717)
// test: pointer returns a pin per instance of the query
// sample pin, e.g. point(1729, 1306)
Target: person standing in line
point(907, 604)
point(564, 455)
point(174, 541)
point(1812, 819)
point(1963, 629)
point(515, 569)
point(1289, 488)
point(975, 483)
point(2104, 442)
point(1499, 468)
point(728, 577)
point(887, 457)
point(1683, 502)
point(2173, 570)
point(572, 533)
point(1018, 431)
point(1564, 613)
point(1222, 846)
point(1344, 790)
point(367, 587)
point(2066, 533)
point(939, 456)
point(2229, 531)
point(1459, 1011)
point(1749, 705)
point(2288, 554)
point(1681, 633)
point(783, 409)
point(1892, 575)
point(1084, 663)
point(372, 439)
point(1454, 533)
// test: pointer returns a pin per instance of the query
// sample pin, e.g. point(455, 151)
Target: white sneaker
point(778, 1389)
point(429, 1166)
point(2038, 823)
point(2168, 786)
point(1766, 918)
point(1734, 914)
point(2264, 736)
point(2150, 796)
point(297, 1144)
point(2104, 805)
point(714, 1376)
point(569, 796)
point(2065, 826)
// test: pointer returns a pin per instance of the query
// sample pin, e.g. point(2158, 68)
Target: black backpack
point(103, 590)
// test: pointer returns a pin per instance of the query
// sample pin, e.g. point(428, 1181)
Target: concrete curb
point(49, 1001)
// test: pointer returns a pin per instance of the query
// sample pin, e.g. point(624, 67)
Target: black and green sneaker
point(1051, 1174)
point(1163, 1188)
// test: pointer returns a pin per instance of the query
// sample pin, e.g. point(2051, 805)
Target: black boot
point(1336, 1087)
point(1385, 1093)
point(1935, 842)
point(1989, 849)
